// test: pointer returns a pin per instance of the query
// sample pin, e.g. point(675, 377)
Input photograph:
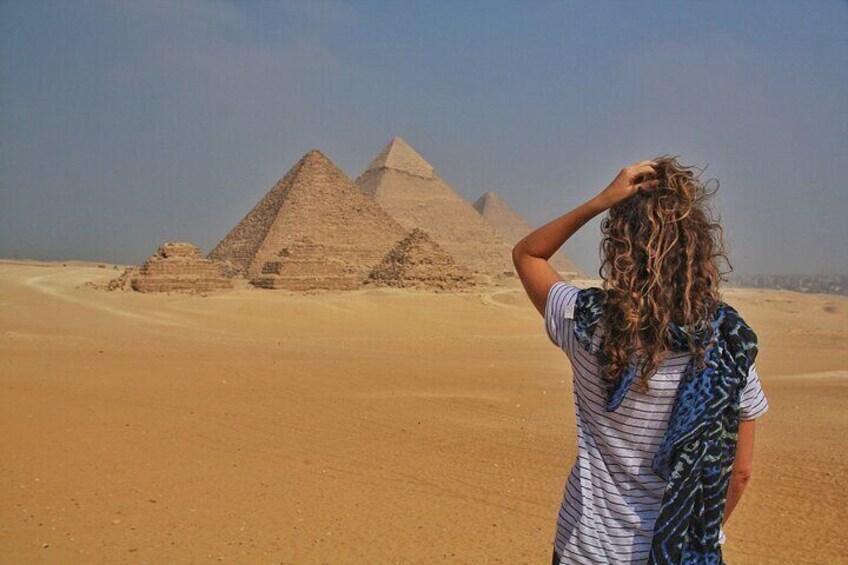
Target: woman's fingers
point(647, 184)
point(647, 167)
point(642, 172)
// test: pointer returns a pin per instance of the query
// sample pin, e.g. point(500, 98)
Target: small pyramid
point(419, 262)
point(399, 156)
point(175, 267)
point(408, 188)
point(513, 227)
point(313, 230)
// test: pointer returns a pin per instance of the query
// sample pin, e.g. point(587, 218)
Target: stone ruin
point(121, 282)
point(306, 265)
point(419, 262)
point(175, 267)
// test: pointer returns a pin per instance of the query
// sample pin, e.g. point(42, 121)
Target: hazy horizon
point(123, 126)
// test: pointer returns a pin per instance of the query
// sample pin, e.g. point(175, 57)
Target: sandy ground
point(374, 426)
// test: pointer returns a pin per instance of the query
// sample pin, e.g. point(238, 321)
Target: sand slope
point(369, 426)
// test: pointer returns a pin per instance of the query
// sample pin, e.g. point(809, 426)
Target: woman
point(660, 279)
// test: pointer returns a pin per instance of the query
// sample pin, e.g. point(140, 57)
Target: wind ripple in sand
point(42, 283)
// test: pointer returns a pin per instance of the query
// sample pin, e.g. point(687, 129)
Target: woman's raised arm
point(531, 254)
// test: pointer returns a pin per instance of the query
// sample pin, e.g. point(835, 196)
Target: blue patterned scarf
point(697, 452)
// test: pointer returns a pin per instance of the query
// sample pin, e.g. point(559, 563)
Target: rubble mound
point(419, 262)
point(124, 280)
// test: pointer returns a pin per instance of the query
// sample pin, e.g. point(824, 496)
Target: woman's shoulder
point(734, 323)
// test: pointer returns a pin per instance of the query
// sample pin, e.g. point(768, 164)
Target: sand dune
point(366, 426)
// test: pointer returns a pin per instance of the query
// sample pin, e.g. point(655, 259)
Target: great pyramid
point(419, 262)
point(409, 189)
point(175, 267)
point(513, 227)
point(313, 230)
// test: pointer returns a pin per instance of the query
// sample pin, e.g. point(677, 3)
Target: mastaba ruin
point(410, 190)
point(513, 227)
point(313, 230)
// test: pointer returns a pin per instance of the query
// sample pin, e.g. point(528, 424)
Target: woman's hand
point(628, 182)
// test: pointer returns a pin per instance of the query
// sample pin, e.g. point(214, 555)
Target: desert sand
point(366, 426)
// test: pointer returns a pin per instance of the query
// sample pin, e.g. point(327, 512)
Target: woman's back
point(661, 294)
point(612, 496)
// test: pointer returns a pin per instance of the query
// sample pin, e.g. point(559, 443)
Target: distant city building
point(821, 284)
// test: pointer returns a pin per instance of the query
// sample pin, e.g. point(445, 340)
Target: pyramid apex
point(400, 156)
point(399, 143)
point(487, 199)
point(314, 155)
point(313, 160)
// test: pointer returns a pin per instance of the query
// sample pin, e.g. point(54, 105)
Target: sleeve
point(753, 402)
point(559, 312)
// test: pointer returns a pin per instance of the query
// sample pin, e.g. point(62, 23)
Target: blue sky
point(126, 124)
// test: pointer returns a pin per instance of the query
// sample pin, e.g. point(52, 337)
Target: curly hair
point(659, 263)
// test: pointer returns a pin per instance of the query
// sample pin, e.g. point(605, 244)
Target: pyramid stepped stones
point(176, 267)
point(313, 230)
point(513, 227)
point(409, 189)
point(419, 262)
point(305, 265)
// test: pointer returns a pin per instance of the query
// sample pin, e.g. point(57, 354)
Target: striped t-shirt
point(612, 496)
